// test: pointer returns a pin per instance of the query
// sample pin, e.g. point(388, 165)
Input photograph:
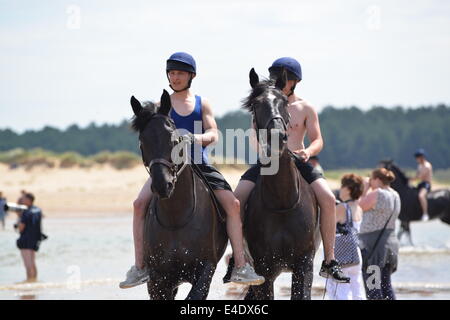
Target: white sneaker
point(425, 217)
point(246, 275)
point(135, 277)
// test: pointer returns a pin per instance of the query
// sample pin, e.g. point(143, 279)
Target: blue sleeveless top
point(194, 124)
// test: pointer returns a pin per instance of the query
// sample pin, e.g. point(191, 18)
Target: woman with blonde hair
point(379, 246)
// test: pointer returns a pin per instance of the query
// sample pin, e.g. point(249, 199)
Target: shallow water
point(86, 258)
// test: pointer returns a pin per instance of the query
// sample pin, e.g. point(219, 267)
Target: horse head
point(268, 103)
point(157, 137)
point(400, 178)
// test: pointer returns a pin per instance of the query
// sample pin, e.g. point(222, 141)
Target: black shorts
point(425, 185)
point(308, 172)
point(214, 177)
point(24, 243)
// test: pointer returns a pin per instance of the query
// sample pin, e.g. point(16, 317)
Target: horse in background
point(411, 210)
point(184, 235)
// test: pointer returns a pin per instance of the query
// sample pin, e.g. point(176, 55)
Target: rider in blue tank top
point(189, 123)
point(200, 122)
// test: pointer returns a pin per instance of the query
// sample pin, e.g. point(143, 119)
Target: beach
point(88, 218)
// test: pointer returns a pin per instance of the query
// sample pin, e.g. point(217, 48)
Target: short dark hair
point(354, 183)
point(29, 196)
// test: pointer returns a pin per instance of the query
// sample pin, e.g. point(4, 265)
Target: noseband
point(278, 116)
point(174, 169)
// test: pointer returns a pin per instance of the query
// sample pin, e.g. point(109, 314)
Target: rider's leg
point(140, 206)
point(242, 192)
point(242, 272)
point(138, 274)
point(327, 203)
point(423, 202)
point(231, 206)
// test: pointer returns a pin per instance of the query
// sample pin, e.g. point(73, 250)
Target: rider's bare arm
point(209, 124)
point(313, 132)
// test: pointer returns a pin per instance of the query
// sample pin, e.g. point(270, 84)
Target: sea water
point(86, 258)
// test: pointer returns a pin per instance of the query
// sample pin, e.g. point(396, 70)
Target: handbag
point(346, 244)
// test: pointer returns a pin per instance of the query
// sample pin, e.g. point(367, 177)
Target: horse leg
point(406, 227)
point(161, 290)
point(302, 279)
point(200, 288)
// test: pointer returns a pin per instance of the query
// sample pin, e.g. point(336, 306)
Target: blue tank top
point(194, 124)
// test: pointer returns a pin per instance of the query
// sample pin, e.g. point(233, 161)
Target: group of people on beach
point(371, 199)
point(370, 206)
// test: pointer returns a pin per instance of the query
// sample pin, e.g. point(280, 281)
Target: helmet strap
point(186, 88)
point(292, 90)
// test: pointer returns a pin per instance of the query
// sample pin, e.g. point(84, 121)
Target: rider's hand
point(303, 154)
point(189, 137)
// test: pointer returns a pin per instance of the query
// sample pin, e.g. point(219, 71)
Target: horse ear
point(136, 105)
point(281, 80)
point(166, 104)
point(254, 79)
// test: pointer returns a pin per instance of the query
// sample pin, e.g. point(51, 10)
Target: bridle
point(174, 169)
point(285, 125)
point(270, 120)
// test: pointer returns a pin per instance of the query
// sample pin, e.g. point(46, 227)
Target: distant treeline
point(353, 138)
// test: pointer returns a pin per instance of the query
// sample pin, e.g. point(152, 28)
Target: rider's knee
point(235, 207)
point(139, 206)
point(327, 199)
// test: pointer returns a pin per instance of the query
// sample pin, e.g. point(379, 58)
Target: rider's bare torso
point(425, 171)
point(297, 124)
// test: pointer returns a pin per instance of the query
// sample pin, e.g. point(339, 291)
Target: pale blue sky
point(58, 68)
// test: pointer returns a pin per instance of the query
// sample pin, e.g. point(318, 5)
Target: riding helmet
point(181, 61)
point(290, 64)
point(420, 153)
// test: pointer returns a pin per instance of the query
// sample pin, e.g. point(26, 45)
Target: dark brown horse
point(282, 221)
point(411, 210)
point(184, 237)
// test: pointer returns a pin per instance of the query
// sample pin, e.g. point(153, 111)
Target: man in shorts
point(304, 121)
point(424, 175)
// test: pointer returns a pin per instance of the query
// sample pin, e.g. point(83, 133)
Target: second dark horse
point(282, 221)
point(184, 237)
point(438, 201)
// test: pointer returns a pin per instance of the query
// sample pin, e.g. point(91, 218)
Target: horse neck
point(283, 185)
point(181, 202)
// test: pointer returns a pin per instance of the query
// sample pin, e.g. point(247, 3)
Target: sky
point(77, 62)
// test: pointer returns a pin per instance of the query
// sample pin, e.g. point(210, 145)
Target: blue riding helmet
point(290, 64)
point(181, 61)
point(420, 153)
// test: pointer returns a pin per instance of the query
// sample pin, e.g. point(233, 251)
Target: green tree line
point(353, 138)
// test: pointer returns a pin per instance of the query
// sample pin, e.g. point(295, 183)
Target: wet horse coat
point(282, 221)
point(184, 237)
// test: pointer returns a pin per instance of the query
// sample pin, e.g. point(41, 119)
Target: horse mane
point(399, 173)
point(139, 122)
point(389, 164)
point(256, 92)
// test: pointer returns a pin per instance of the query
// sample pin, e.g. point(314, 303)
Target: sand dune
point(96, 191)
